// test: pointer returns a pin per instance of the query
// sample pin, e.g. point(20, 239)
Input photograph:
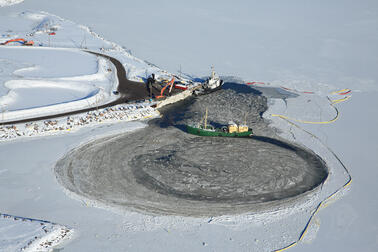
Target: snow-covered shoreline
point(339, 178)
point(117, 113)
point(33, 235)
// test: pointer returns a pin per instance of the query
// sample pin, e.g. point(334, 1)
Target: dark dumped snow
point(163, 170)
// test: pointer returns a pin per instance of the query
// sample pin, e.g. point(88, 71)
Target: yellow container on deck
point(242, 128)
point(232, 127)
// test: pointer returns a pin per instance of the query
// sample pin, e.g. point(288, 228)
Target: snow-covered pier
point(117, 113)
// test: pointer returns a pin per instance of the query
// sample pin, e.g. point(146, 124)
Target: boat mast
point(205, 119)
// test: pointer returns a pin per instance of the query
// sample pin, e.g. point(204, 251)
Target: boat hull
point(217, 132)
point(207, 90)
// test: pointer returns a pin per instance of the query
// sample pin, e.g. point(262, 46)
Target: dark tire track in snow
point(130, 90)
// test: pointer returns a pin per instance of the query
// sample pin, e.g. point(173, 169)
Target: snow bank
point(117, 113)
point(27, 234)
point(9, 2)
point(36, 91)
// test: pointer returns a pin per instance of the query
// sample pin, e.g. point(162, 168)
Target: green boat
point(232, 130)
point(211, 131)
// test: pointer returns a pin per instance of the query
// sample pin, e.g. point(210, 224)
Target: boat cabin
point(242, 128)
point(233, 127)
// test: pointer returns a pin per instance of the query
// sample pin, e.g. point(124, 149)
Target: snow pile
point(26, 234)
point(112, 114)
point(9, 2)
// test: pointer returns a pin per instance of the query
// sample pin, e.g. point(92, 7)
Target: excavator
point(19, 40)
point(170, 85)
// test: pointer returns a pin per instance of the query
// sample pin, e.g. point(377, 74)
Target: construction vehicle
point(20, 41)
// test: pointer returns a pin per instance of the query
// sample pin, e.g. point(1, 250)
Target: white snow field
point(16, 233)
point(323, 51)
point(43, 81)
point(48, 30)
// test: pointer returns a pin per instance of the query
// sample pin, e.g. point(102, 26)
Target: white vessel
point(211, 84)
